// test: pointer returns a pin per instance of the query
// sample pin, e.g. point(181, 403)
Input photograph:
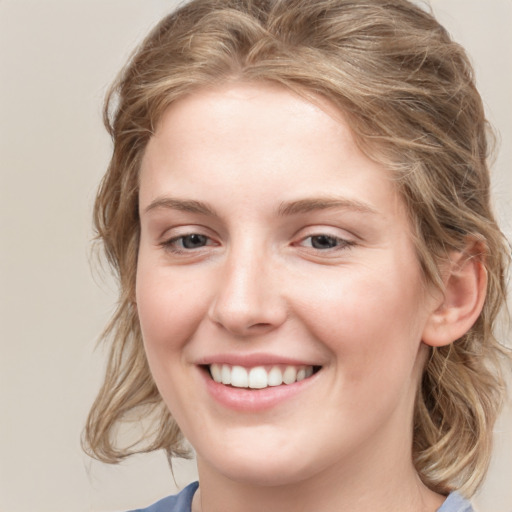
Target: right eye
point(189, 242)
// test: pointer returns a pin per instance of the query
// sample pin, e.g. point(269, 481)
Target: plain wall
point(57, 58)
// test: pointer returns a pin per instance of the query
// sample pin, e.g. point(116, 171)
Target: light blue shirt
point(182, 502)
point(455, 503)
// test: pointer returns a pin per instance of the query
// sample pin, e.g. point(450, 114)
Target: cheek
point(169, 309)
point(368, 319)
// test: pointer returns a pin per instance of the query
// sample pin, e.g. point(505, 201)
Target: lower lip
point(253, 400)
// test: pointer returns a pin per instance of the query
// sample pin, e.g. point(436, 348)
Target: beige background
point(56, 59)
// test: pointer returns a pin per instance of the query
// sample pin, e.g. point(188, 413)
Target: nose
point(248, 299)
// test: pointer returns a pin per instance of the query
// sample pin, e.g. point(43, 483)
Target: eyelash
point(341, 243)
point(172, 244)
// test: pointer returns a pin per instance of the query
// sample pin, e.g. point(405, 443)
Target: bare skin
point(267, 234)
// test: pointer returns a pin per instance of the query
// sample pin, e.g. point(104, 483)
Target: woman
point(298, 210)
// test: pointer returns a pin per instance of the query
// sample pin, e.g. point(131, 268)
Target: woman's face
point(273, 248)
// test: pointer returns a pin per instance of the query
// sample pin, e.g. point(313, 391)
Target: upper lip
point(251, 360)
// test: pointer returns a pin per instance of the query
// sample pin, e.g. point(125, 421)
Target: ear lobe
point(463, 298)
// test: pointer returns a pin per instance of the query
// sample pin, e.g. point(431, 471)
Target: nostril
point(260, 325)
point(247, 299)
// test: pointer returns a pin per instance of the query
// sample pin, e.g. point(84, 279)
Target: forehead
point(252, 109)
point(250, 138)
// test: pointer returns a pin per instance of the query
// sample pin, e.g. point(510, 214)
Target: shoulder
point(181, 502)
point(456, 503)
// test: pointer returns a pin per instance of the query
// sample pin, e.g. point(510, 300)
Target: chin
point(263, 477)
point(263, 469)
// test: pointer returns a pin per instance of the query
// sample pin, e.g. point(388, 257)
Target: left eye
point(323, 242)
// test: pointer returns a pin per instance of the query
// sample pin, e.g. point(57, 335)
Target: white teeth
point(301, 374)
point(275, 376)
point(226, 374)
point(258, 377)
point(290, 375)
point(239, 377)
point(216, 372)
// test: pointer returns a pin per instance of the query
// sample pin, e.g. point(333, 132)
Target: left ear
point(465, 286)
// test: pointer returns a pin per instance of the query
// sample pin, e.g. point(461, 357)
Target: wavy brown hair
point(409, 93)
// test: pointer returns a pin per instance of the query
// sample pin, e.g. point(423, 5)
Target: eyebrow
point(323, 203)
point(285, 209)
point(185, 205)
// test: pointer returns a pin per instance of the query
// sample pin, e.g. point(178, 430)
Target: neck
point(365, 486)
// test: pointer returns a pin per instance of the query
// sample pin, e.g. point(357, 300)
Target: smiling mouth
point(259, 377)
